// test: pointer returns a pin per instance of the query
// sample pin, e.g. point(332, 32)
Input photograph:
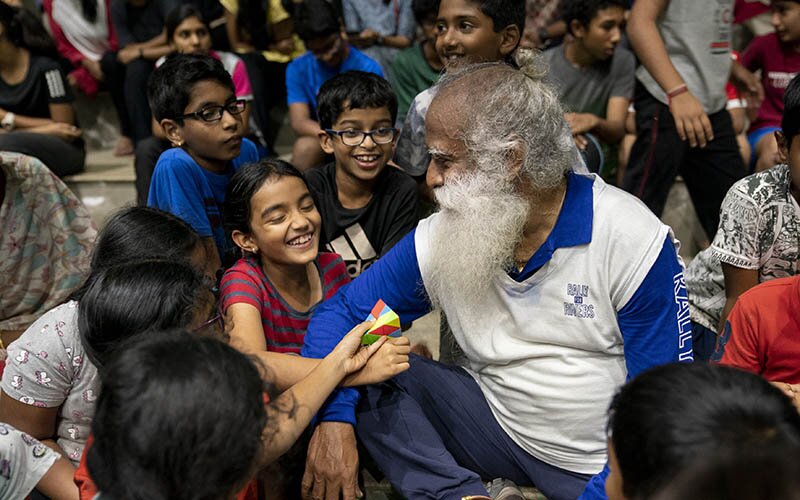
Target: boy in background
point(494, 33)
point(192, 98)
point(366, 207)
point(417, 68)
point(318, 25)
point(777, 55)
point(594, 76)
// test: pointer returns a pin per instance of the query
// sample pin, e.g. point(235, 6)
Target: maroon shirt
point(778, 63)
point(284, 327)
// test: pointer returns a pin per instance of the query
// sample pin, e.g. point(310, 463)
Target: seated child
point(380, 29)
point(761, 334)
point(594, 77)
point(329, 54)
point(776, 55)
point(366, 207)
point(757, 239)
point(171, 376)
point(268, 296)
point(193, 99)
point(669, 418)
point(494, 33)
point(187, 33)
point(417, 68)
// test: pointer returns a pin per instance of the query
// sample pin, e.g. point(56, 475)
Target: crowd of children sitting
point(159, 357)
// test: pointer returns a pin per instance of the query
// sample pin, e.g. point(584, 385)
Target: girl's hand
point(348, 355)
point(390, 360)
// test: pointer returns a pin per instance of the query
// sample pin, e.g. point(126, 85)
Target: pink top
point(778, 63)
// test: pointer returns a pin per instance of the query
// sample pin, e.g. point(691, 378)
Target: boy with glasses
point(366, 208)
point(319, 26)
point(192, 98)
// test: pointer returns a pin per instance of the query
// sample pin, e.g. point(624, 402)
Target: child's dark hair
point(790, 122)
point(668, 417)
point(171, 84)
point(137, 233)
point(24, 30)
point(125, 300)
point(178, 15)
point(765, 474)
point(251, 19)
point(503, 13)
point(178, 417)
point(316, 19)
point(245, 183)
point(425, 10)
point(584, 11)
point(353, 90)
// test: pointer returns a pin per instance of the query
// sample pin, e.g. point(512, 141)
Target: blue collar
point(573, 226)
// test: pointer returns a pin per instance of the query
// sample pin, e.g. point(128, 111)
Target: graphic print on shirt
point(723, 12)
point(355, 249)
point(576, 305)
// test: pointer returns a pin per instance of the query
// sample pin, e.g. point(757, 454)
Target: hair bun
point(531, 62)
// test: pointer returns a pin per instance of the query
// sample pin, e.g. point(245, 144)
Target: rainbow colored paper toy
point(386, 323)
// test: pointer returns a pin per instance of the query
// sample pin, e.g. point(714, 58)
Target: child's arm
point(737, 281)
point(292, 411)
point(300, 120)
point(691, 120)
point(610, 129)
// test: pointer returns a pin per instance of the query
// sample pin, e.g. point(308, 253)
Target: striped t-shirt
point(284, 327)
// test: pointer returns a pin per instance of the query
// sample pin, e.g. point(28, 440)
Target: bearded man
point(557, 287)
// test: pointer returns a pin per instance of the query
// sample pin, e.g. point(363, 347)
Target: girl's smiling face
point(284, 222)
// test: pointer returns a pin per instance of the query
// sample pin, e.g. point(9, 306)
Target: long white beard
point(480, 224)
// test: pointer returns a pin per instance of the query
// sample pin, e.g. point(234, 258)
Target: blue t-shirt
point(184, 188)
point(305, 75)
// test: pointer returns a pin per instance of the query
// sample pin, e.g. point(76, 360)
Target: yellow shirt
point(275, 14)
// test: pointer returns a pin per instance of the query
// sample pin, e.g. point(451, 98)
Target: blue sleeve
point(655, 330)
point(596, 487)
point(176, 189)
point(377, 69)
point(247, 154)
point(295, 91)
point(655, 323)
point(396, 279)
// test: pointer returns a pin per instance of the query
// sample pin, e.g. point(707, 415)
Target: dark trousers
point(147, 153)
point(61, 157)
point(659, 155)
point(268, 80)
point(431, 432)
point(114, 73)
point(135, 88)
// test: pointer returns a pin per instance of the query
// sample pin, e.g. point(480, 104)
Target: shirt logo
point(576, 305)
point(683, 318)
point(355, 249)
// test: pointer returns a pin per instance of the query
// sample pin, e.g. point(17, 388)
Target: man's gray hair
point(507, 108)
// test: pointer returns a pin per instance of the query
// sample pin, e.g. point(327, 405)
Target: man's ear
point(326, 142)
point(783, 147)
point(515, 159)
point(172, 131)
point(244, 241)
point(510, 39)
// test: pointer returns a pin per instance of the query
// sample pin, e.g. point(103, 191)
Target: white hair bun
point(531, 62)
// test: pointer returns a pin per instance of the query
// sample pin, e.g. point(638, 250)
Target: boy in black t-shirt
point(366, 208)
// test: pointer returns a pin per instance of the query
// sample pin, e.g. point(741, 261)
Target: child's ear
point(326, 142)
point(576, 28)
point(244, 241)
point(172, 131)
point(510, 39)
point(783, 147)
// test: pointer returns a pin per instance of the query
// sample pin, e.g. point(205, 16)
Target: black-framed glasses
point(352, 137)
point(214, 113)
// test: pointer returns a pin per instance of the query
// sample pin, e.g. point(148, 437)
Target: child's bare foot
point(124, 146)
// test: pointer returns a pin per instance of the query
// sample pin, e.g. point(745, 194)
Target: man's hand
point(61, 130)
point(747, 83)
point(285, 46)
point(691, 120)
point(94, 69)
point(580, 123)
point(366, 38)
point(332, 464)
